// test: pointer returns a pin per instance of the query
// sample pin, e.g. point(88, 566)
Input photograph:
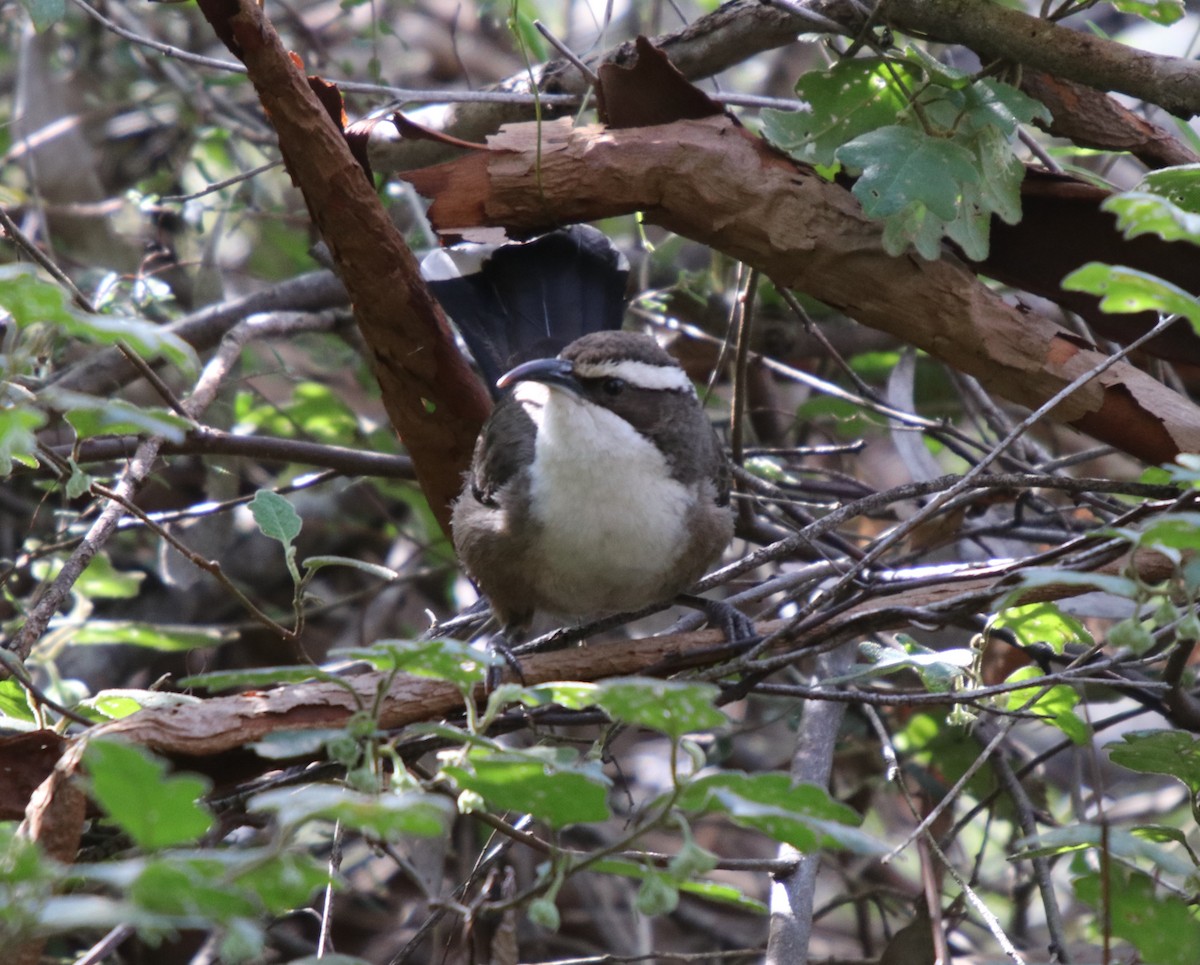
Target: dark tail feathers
point(528, 300)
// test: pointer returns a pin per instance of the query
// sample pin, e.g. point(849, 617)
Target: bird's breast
point(610, 522)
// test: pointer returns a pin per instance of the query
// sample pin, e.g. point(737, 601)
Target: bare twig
point(792, 894)
point(30, 248)
point(927, 511)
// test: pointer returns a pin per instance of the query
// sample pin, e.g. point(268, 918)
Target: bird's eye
point(613, 386)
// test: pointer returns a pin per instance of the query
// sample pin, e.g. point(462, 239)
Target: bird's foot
point(499, 644)
point(732, 622)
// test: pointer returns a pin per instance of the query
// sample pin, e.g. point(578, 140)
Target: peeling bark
point(432, 397)
point(712, 181)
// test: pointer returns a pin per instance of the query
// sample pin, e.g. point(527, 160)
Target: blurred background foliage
point(151, 183)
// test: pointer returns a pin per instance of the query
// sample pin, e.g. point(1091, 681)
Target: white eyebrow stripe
point(641, 375)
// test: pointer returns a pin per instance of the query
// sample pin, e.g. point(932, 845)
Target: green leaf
point(673, 707)
point(1130, 634)
point(969, 229)
point(691, 860)
point(543, 912)
point(14, 703)
point(852, 97)
point(1161, 834)
point(29, 299)
point(32, 301)
point(990, 103)
point(711, 890)
point(277, 519)
point(282, 745)
point(1140, 213)
point(533, 782)
point(115, 704)
point(526, 34)
point(1042, 623)
point(570, 694)
point(998, 190)
point(938, 669)
point(1126, 290)
point(180, 886)
point(101, 580)
point(387, 815)
point(1179, 531)
point(91, 415)
point(1180, 185)
point(275, 516)
point(18, 441)
point(45, 13)
point(1161, 752)
point(1055, 704)
point(902, 167)
point(450, 660)
point(164, 637)
point(803, 815)
point(1156, 11)
point(1119, 842)
point(1160, 925)
point(937, 73)
point(154, 809)
point(256, 678)
point(658, 895)
point(313, 563)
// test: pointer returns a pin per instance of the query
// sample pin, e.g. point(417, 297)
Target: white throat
point(611, 521)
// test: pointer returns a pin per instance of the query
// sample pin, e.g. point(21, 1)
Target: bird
point(598, 485)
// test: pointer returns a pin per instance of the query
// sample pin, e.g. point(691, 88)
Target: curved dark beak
point(552, 372)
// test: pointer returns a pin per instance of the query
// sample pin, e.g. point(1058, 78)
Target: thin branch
point(177, 53)
point(927, 511)
point(812, 763)
point(1059, 948)
point(315, 291)
point(209, 441)
point(589, 74)
point(211, 567)
point(31, 249)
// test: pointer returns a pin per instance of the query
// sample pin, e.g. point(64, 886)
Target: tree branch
point(997, 32)
point(711, 181)
point(433, 399)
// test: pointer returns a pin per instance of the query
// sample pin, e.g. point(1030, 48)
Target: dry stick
point(659, 956)
point(27, 245)
point(205, 440)
point(741, 362)
point(1002, 730)
point(837, 392)
point(890, 539)
point(588, 73)
point(177, 52)
point(106, 946)
point(1041, 863)
point(894, 774)
point(211, 567)
point(219, 185)
point(992, 922)
point(792, 895)
point(156, 381)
